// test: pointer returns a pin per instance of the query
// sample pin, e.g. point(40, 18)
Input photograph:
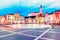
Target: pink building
point(9, 19)
point(29, 19)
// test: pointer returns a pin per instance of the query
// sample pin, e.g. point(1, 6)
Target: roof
point(30, 17)
point(57, 11)
point(42, 15)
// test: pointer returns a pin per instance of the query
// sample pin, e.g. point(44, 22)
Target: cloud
point(8, 3)
point(18, 2)
point(29, 3)
point(53, 3)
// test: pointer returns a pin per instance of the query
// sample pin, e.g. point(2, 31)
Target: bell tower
point(40, 9)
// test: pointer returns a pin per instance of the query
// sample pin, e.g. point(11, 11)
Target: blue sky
point(24, 7)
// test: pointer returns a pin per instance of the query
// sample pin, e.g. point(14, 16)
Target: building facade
point(2, 19)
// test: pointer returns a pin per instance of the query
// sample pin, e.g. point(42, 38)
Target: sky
point(24, 7)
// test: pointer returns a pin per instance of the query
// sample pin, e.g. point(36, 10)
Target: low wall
point(29, 26)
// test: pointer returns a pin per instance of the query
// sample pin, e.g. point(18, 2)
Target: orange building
point(16, 15)
point(17, 18)
point(2, 20)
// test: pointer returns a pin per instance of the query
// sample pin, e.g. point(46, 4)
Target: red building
point(57, 16)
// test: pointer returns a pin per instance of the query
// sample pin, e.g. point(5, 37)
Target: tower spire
point(40, 9)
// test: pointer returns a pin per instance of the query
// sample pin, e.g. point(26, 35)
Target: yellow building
point(37, 19)
point(22, 19)
point(40, 19)
point(30, 20)
point(18, 18)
